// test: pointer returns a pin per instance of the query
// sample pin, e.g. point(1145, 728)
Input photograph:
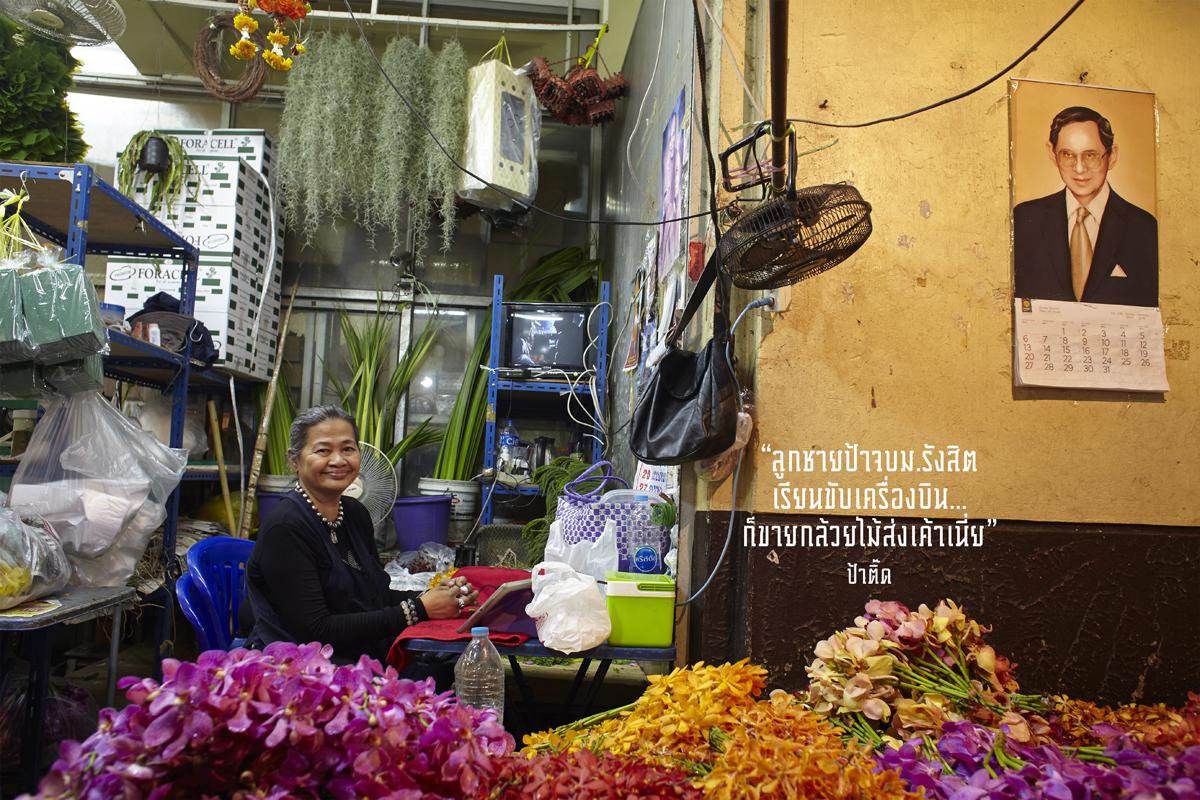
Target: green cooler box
point(642, 609)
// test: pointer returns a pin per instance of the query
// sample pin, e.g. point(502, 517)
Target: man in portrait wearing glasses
point(1085, 243)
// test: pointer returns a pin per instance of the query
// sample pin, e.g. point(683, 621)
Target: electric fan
point(795, 235)
point(375, 487)
point(76, 22)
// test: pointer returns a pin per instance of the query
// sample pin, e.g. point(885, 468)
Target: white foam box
point(252, 145)
point(130, 281)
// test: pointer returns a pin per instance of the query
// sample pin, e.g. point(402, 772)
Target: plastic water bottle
point(643, 547)
point(479, 674)
point(506, 448)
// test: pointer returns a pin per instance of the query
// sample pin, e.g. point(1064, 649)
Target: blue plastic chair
point(199, 611)
point(217, 564)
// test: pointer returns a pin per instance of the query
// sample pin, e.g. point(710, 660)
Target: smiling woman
point(314, 573)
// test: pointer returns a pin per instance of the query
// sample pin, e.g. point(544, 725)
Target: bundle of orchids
point(280, 11)
point(899, 674)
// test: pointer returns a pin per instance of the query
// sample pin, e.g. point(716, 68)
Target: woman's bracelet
point(410, 612)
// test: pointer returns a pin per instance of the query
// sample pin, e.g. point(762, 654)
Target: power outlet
point(782, 298)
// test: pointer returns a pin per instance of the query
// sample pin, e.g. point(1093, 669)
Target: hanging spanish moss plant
point(400, 176)
point(347, 140)
point(327, 133)
point(300, 131)
point(448, 119)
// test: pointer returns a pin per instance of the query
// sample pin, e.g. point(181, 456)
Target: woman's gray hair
point(315, 416)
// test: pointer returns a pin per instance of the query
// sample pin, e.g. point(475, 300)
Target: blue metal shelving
point(75, 208)
point(528, 390)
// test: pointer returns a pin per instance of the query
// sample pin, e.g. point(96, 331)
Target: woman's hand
point(447, 601)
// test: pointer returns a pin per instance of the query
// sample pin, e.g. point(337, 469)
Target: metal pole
point(779, 59)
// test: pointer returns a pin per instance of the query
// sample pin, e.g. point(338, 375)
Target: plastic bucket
point(464, 502)
point(421, 519)
point(276, 484)
point(267, 501)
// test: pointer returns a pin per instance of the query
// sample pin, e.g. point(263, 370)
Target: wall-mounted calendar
point(1086, 346)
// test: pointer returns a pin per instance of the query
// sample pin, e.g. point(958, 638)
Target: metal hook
point(24, 175)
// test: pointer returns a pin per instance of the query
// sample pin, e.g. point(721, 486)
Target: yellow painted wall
point(909, 343)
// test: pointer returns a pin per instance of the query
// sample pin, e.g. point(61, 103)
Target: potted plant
point(161, 160)
point(371, 394)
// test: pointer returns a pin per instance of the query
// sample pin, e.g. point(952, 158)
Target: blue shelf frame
point(73, 207)
point(496, 385)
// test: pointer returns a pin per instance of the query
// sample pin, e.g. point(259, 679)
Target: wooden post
point(216, 431)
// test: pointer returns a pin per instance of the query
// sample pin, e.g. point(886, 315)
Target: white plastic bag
point(593, 558)
point(567, 608)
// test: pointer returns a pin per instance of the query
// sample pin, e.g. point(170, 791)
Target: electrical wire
point(765, 301)
point(527, 206)
point(959, 96)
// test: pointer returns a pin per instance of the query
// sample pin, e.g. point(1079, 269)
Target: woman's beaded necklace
point(331, 525)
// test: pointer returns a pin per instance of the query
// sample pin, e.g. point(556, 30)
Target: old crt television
point(550, 338)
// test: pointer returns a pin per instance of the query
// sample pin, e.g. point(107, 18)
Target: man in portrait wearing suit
point(1085, 243)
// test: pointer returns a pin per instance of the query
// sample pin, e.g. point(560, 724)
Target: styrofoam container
point(641, 609)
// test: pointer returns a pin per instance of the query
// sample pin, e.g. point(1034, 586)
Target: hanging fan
point(795, 235)
point(375, 487)
point(76, 22)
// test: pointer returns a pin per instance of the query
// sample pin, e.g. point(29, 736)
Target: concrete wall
point(909, 344)
point(1095, 551)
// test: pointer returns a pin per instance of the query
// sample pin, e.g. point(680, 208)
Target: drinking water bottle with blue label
point(506, 448)
point(643, 544)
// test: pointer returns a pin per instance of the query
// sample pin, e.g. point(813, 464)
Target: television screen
point(542, 337)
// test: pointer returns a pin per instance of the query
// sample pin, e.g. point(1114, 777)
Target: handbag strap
point(594, 495)
point(712, 271)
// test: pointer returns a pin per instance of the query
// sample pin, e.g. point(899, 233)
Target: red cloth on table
point(487, 580)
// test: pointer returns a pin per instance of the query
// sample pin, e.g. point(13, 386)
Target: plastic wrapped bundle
point(15, 344)
point(22, 381)
point(94, 475)
point(63, 313)
point(504, 132)
point(77, 375)
point(32, 561)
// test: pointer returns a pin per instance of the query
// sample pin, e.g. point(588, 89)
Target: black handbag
point(688, 410)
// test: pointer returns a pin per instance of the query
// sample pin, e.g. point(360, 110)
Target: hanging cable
point(959, 96)
point(764, 301)
point(528, 206)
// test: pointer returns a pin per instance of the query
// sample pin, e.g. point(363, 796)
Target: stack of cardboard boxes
point(226, 211)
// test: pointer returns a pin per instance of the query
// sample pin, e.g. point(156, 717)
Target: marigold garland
point(243, 50)
point(276, 60)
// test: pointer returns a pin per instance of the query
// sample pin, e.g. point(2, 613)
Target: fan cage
point(786, 240)
point(85, 23)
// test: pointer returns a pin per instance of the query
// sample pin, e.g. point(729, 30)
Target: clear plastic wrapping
point(71, 714)
point(32, 561)
point(15, 343)
point(96, 477)
point(504, 133)
point(721, 466)
point(62, 313)
point(77, 375)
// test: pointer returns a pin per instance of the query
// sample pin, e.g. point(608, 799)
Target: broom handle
point(260, 445)
point(216, 431)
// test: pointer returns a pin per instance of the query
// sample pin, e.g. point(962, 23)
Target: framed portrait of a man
point(1083, 187)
